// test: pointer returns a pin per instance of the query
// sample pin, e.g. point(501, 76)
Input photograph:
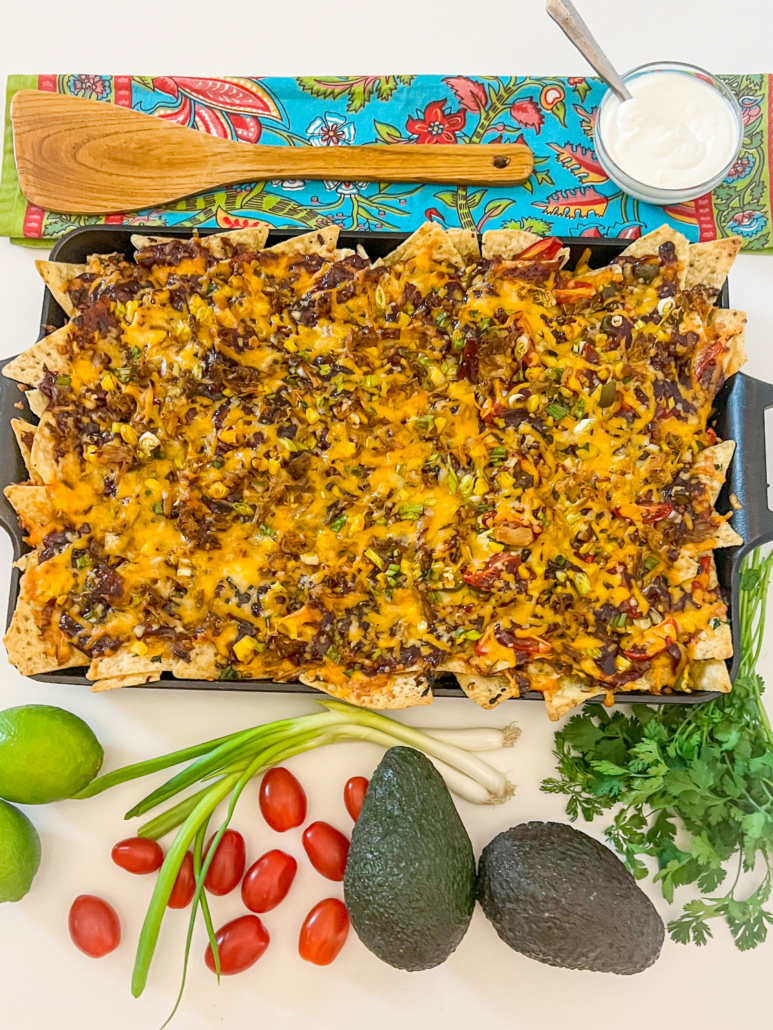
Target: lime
point(19, 853)
point(46, 754)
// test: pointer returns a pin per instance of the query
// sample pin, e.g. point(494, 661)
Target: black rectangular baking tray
point(739, 415)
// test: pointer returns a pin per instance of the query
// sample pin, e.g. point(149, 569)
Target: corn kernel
point(109, 382)
point(274, 465)
point(218, 491)
point(129, 434)
point(312, 416)
point(139, 647)
point(532, 403)
point(481, 486)
point(290, 346)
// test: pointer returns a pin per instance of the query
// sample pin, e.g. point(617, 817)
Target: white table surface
point(44, 981)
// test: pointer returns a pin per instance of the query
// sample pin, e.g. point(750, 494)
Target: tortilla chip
point(725, 536)
point(729, 325)
point(141, 242)
point(486, 691)
point(116, 682)
point(713, 580)
point(709, 263)
point(711, 465)
point(569, 693)
point(42, 457)
point(22, 431)
point(466, 243)
point(402, 690)
point(37, 401)
point(30, 502)
point(712, 643)
point(30, 652)
point(506, 243)
point(202, 666)
point(683, 570)
point(650, 244)
point(56, 275)
point(253, 238)
point(428, 237)
point(709, 675)
point(319, 241)
point(126, 663)
point(49, 353)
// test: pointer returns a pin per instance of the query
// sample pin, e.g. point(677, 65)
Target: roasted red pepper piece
point(648, 513)
point(468, 366)
point(711, 355)
point(498, 564)
point(573, 290)
point(531, 645)
point(661, 637)
point(543, 250)
point(656, 512)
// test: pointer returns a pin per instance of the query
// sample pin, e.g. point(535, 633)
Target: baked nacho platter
point(365, 464)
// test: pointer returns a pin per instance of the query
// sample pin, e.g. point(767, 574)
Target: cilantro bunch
point(691, 787)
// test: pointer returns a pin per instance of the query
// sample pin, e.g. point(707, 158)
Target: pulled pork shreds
point(324, 464)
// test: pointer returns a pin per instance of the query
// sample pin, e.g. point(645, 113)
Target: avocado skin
point(559, 896)
point(410, 876)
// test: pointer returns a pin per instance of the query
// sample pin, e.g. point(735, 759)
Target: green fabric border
point(12, 201)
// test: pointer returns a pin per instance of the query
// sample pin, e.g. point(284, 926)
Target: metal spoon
point(565, 15)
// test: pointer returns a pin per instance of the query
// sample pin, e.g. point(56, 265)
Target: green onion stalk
point(227, 764)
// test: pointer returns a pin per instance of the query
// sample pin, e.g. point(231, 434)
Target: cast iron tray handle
point(741, 407)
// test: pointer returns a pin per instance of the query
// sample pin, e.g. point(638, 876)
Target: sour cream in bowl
point(675, 139)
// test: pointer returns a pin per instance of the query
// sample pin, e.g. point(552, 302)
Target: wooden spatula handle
point(86, 156)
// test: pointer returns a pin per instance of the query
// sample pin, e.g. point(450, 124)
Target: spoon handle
point(565, 15)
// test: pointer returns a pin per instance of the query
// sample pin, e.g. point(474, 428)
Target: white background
point(44, 981)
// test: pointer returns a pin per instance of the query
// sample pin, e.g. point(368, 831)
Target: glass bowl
point(656, 194)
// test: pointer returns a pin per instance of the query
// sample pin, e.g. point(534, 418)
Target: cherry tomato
point(185, 884)
point(327, 849)
point(227, 867)
point(268, 881)
point(94, 926)
point(282, 800)
point(138, 855)
point(240, 944)
point(324, 932)
point(354, 795)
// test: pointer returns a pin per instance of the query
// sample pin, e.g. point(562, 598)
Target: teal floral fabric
point(568, 193)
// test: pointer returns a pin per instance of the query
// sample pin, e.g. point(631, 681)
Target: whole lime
point(46, 754)
point(19, 853)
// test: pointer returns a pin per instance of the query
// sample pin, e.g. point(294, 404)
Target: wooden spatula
point(87, 157)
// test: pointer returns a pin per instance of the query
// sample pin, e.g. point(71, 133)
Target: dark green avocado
point(410, 875)
point(559, 896)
